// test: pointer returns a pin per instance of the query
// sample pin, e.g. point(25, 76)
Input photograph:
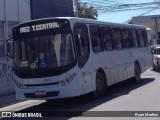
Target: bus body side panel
point(130, 63)
point(108, 63)
point(88, 73)
point(143, 56)
point(122, 58)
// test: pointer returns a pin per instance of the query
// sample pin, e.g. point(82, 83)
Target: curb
point(7, 99)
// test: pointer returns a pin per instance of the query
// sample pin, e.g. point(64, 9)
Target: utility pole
point(76, 7)
point(156, 24)
point(157, 29)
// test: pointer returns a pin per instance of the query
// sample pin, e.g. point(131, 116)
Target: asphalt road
point(125, 96)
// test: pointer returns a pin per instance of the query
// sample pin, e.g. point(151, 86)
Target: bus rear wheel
point(100, 86)
point(137, 72)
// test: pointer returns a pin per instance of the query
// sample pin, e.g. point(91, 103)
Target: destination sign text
point(39, 27)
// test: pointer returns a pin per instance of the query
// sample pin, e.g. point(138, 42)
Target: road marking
point(22, 105)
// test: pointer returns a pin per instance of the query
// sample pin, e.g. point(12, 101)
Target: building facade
point(51, 8)
point(12, 12)
point(152, 22)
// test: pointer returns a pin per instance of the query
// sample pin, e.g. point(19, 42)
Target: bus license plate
point(40, 93)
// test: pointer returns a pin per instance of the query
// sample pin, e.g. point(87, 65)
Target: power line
point(113, 16)
point(148, 11)
point(142, 14)
point(105, 6)
point(157, 2)
point(26, 2)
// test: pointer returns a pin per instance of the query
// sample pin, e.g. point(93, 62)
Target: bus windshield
point(46, 51)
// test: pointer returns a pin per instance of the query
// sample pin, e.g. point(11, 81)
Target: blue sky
point(121, 17)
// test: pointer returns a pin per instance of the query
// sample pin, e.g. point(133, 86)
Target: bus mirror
point(10, 48)
point(152, 52)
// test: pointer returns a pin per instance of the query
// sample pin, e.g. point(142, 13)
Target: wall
point(51, 8)
point(12, 12)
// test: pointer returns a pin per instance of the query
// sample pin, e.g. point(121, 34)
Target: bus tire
point(154, 67)
point(137, 73)
point(100, 86)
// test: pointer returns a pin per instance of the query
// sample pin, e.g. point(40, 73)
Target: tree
point(87, 12)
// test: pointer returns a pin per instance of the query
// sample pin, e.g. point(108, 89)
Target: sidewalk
point(8, 100)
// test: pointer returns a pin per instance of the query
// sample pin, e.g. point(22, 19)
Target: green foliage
point(85, 11)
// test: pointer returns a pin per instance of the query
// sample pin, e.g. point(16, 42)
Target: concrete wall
point(15, 10)
point(12, 12)
point(51, 8)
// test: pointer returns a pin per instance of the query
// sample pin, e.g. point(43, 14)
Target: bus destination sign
point(38, 27)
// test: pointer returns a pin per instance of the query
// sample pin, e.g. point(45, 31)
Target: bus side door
point(83, 54)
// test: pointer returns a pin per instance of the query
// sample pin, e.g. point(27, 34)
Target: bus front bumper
point(72, 89)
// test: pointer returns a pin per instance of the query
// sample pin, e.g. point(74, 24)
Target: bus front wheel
point(100, 86)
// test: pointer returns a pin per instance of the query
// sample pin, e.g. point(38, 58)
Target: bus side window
point(78, 47)
point(117, 38)
point(96, 39)
point(145, 37)
point(134, 37)
point(141, 42)
point(82, 43)
point(126, 38)
point(107, 38)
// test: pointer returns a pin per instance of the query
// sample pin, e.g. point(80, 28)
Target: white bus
point(67, 57)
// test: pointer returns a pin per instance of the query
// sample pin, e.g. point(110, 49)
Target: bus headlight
point(63, 83)
point(71, 77)
point(68, 79)
point(20, 85)
point(74, 74)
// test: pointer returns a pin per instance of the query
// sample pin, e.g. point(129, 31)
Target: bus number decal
point(24, 29)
